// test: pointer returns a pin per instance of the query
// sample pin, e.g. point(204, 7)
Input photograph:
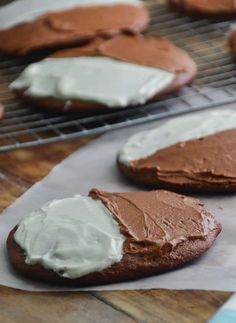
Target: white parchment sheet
point(95, 166)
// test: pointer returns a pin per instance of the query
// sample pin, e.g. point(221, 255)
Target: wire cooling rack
point(205, 39)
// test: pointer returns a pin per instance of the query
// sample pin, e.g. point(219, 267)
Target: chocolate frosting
point(207, 6)
point(156, 221)
point(74, 26)
point(149, 51)
point(208, 162)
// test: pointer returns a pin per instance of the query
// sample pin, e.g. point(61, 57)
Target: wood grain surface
point(18, 171)
point(21, 169)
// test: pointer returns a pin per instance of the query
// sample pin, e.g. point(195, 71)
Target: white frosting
point(23, 11)
point(183, 128)
point(100, 79)
point(73, 237)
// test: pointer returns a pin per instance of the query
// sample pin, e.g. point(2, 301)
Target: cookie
point(83, 78)
point(2, 111)
point(56, 24)
point(111, 237)
point(232, 38)
point(212, 7)
point(193, 153)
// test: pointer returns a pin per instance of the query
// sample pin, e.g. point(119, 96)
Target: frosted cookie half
point(193, 153)
point(118, 73)
point(110, 237)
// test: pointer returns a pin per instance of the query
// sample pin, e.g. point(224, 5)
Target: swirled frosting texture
point(73, 237)
point(156, 220)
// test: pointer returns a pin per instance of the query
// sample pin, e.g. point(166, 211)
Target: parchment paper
point(95, 166)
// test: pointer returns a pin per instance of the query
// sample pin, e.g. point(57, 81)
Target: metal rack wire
point(205, 39)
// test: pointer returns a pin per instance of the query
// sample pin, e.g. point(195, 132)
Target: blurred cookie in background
point(212, 7)
point(29, 25)
point(113, 74)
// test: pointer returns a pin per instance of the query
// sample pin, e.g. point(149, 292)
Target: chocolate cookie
point(145, 68)
point(120, 237)
point(2, 111)
point(165, 157)
point(232, 38)
point(57, 24)
point(212, 7)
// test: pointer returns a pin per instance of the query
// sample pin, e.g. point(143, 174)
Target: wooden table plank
point(9, 191)
point(32, 164)
point(18, 306)
point(165, 305)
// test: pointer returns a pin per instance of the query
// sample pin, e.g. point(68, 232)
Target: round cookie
point(193, 153)
point(169, 69)
point(59, 24)
point(212, 7)
point(150, 233)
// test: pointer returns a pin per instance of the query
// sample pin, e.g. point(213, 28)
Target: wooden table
point(21, 169)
